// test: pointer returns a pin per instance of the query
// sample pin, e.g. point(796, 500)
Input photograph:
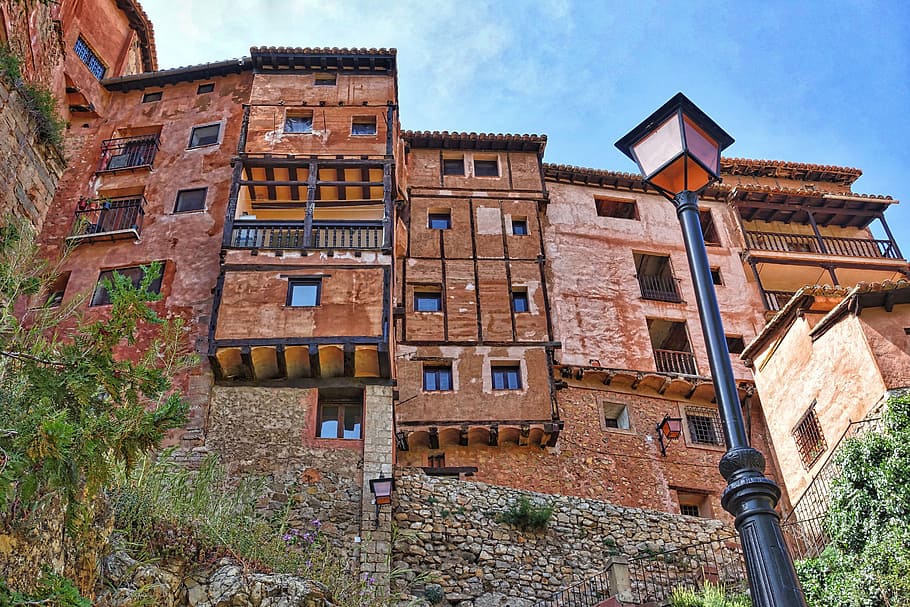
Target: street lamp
point(677, 149)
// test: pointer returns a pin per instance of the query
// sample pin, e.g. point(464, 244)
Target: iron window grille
point(810, 440)
point(689, 510)
point(704, 425)
point(89, 58)
point(437, 378)
point(506, 377)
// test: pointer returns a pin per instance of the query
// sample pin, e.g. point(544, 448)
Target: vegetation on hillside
point(867, 561)
point(710, 595)
point(39, 100)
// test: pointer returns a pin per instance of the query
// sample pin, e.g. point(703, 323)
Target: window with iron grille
point(89, 58)
point(810, 441)
point(689, 510)
point(704, 425)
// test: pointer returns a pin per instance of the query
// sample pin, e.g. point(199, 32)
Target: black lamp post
point(677, 149)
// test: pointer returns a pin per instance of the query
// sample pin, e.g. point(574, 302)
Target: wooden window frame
point(437, 372)
point(504, 372)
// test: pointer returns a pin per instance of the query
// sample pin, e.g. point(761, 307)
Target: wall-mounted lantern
point(381, 488)
point(670, 428)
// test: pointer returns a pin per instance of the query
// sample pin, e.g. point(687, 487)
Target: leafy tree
point(77, 396)
point(867, 561)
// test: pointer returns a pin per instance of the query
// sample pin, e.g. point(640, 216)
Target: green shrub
point(10, 65)
point(43, 110)
point(710, 595)
point(53, 589)
point(526, 515)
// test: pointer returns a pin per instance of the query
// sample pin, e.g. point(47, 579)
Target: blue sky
point(817, 82)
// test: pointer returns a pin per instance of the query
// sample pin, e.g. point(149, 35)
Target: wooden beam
point(349, 370)
point(463, 436)
point(494, 436)
point(385, 362)
point(295, 189)
point(665, 385)
point(313, 351)
point(281, 360)
point(434, 438)
point(246, 358)
point(339, 177)
point(524, 433)
point(271, 183)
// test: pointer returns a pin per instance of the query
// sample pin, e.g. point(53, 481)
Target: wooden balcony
point(108, 219)
point(660, 288)
point(775, 300)
point(355, 235)
point(825, 245)
point(126, 153)
point(671, 361)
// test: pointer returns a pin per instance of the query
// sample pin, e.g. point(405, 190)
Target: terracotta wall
point(518, 171)
point(889, 341)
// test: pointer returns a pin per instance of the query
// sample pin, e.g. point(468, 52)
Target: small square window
point(693, 504)
point(616, 208)
point(689, 510)
point(325, 79)
point(363, 125)
point(298, 122)
point(437, 378)
point(707, 227)
point(305, 293)
point(520, 301)
point(102, 298)
point(204, 135)
point(519, 226)
point(453, 166)
point(149, 97)
point(506, 377)
point(735, 344)
point(190, 200)
point(486, 168)
point(340, 420)
point(427, 301)
point(208, 87)
point(704, 425)
point(616, 415)
point(715, 276)
point(439, 221)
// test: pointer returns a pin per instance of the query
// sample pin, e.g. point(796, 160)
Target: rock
point(497, 599)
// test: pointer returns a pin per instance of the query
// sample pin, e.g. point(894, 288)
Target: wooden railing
point(671, 361)
point(775, 300)
point(108, 216)
point(659, 287)
point(292, 235)
point(128, 152)
point(829, 245)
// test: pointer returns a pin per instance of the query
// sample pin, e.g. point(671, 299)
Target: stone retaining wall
point(449, 528)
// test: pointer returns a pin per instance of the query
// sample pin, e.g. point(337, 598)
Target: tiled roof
point(297, 50)
point(808, 192)
point(140, 22)
point(374, 61)
point(790, 170)
point(475, 141)
point(618, 179)
point(177, 74)
point(865, 295)
point(804, 298)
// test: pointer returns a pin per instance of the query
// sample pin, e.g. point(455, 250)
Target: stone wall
point(29, 169)
point(449, 528)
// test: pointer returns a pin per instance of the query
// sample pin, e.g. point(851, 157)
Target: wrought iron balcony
point(661, 288)
point(108, 219)
point(671, 361)
point(128, 153)
point(293, 235)
point(826, 245)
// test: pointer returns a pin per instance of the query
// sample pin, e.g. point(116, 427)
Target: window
point(707, 227)
point(304, 293)
point(453, 166)
point(520, 300)
point(810, 441)
point(704, 425)
point(616, 415)
point(436, 461)
point(715, 276)
point(56, 291)
point(735, 344)
point(89, 58)
point(205, 88)
point(190, 200)
point(486, 167)
point(439, 220)
point(149, 97)
point(204, 135)
point(427, 301)
point(298, 122)
point(340, 418)
point(693, 504)
point(437, 378)
point(689, 510)
point(519, 226)
point(616, 208)
point(363, 125)
point(325, 80)
point(506, 377)
point(102, 298)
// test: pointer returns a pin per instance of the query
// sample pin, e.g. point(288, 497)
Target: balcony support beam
point(818, 236)
point(881, 219)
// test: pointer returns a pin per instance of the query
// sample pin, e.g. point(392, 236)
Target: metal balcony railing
point(775, 300)
point(661, 288)
point(128, 152)
point(109, 218)
point(829, 245)
point(671, 361)
point(292, 235)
